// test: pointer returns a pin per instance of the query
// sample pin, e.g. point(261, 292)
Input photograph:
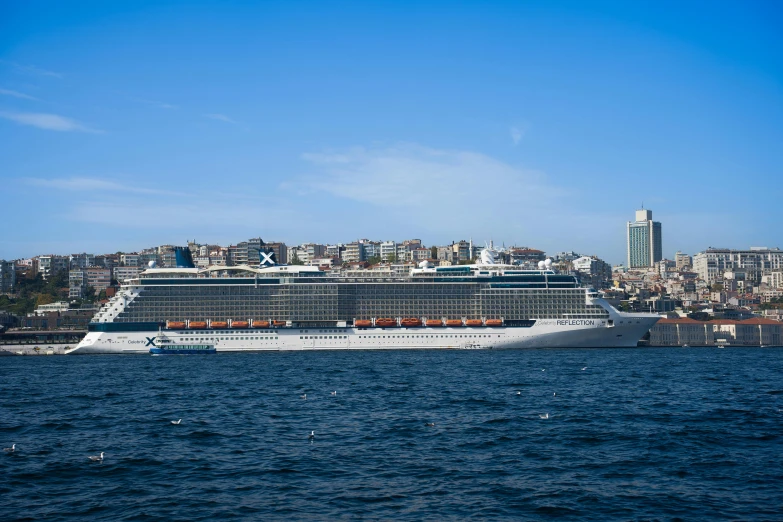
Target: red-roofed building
point(720, 332)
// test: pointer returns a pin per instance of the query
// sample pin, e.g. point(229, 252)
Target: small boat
point(434, 322)
point(239, 324)
point(362, 323)
point(385, 322)
point(453, 322)
point(410, 321)
point(175, 325)
point(494, 322)
point(474, 322)
point(260, 324)
point(163, 345)
point(197, 325)
point(219, 324)
point(278, 323)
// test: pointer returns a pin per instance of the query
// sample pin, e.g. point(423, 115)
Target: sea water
point(649, 433)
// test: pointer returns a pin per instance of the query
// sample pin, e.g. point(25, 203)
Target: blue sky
point(130, 124)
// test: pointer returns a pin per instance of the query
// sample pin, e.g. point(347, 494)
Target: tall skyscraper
point(644, 240)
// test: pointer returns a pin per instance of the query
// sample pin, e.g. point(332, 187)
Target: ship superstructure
point(298, 307)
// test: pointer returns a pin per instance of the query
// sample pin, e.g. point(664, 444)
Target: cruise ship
point(290, 307)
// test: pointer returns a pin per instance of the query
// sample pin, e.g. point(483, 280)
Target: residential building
point(98, 277)
point(682, 261)
point(123, 273)
point(77, 283)
point(280, 250)
point(420, 254)
point(59, 306)
point(51, 264)
point(7, 276)
point(645, 243)
point(713, 263)
point(129, 259)
point(593, 271)
point(354, 252)
point(388, 251)
point(79, 261)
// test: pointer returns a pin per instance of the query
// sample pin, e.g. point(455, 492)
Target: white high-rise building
point(645, 245)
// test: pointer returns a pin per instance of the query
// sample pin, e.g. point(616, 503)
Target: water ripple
point(644, 434)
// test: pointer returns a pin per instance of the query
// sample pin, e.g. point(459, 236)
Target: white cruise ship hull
point(623, 331)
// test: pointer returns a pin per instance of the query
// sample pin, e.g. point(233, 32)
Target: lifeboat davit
point(362, 323)
point(474, 322)
point(278, 323)
point(175, 325)
point(494, 322)
point(219, 324)
point(410, 321)
point(434, 322)
point(385, 322)
point(239, 324)
point(260, 324)
point(453, 322)
point(197, 325)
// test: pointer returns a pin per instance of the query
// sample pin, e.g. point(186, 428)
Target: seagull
point(554, 394)
point(176, 421)
point(96, 458)
point(303, 396)
point(543, 369)
point(334, 393)
point(544, 416)
point(13, 448)
point(519, 393)
point(583, 369)
point(311, 436)
point(430, 424)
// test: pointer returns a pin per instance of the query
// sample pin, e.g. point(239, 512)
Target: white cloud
point(16, 94)
point(48, 122)
point(436, 190)
point(87, 185)
point(220, 117)
point(31, 69)
point(517, 132)
point(154, 103)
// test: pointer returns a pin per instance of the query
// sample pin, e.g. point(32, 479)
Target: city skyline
point(534, 125)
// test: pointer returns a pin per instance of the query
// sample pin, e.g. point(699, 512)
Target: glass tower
point(644, 240)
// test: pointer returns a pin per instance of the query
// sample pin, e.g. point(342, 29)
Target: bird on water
point(96, 458)
point(430, 424)
point(176, 421)
point(334, 393)
point(304, 396)
point(311, 436)
point(544, 416)
point(11, 449)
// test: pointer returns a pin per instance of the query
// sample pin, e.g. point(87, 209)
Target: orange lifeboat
point(494, 322)
point(175, 325)
point(278, 323)
point(453, 322)
point(219, 324)
point(362, 323)
point(239, 324)
point(410, 321)
point(385, 322)
point(260, 324)
point(434, 322)
point(473, 322)
point(197, 325)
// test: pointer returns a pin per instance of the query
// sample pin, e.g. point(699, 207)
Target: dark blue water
point(640, 434)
